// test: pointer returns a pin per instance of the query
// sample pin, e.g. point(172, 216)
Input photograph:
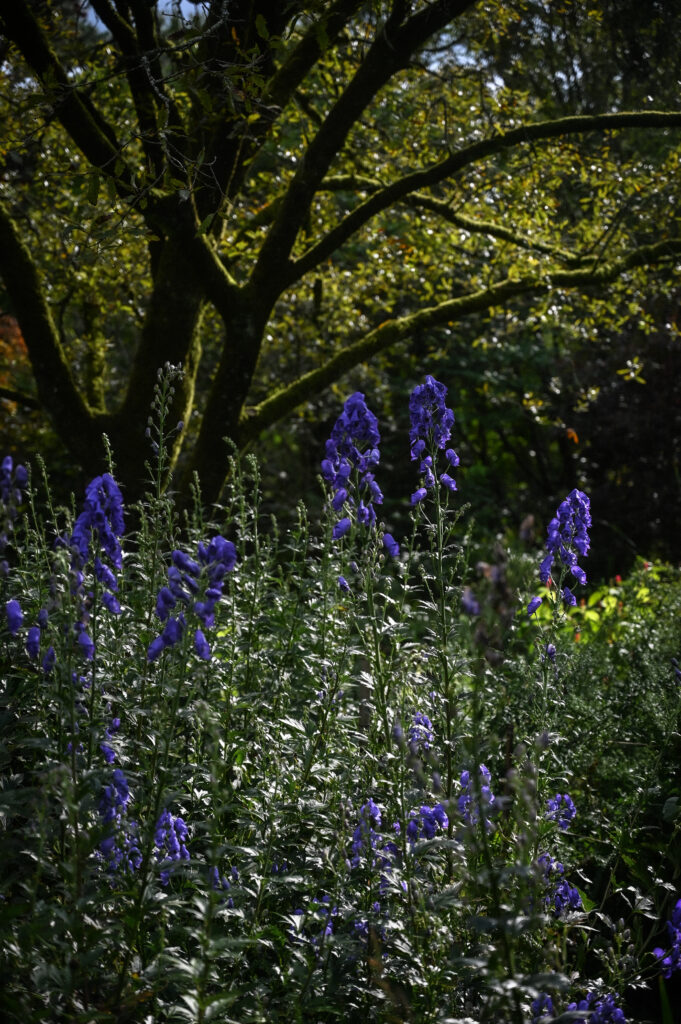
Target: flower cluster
point(431, 428)
point(601, 1011)
point(185, 579)
point(467, 802)
point(318, 920)
point(561, 809)
point(427, 822)
point(353, 445)
point(671, 961)
point(97, 531)
point(120, 848)
point(170, 840)
point(12, 482)
point(366, 837)
point(371, 848)
point(568, 538)
point(420, 733)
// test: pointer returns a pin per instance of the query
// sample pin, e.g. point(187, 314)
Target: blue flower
point(541, 1008)
point(603, 1011)
point(343, 583)
point(341, 528)
point(33, 642)
point(427, 822)
point(197, 584)
point(201, 645)
point(561, 808)
point(533, 605)
point(12, 482)
point(420, 732)
point(391, 545)
point(467, 801)
point(15, 616)
point(49, 660)
point(87, 647)
point(469, 602)
point(353, 449)
point(430, 430)
point(671, 961)
point(170, 839)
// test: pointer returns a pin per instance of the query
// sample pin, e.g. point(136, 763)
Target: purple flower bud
point(33, 642)
point(341, 528)
point(15, 616)
point(87, 647)
point(201, 645)
point(391, 545)
point(533, 605)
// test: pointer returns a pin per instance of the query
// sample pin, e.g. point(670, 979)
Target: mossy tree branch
point(57, 390)
point(389, 333)
point(453, 164)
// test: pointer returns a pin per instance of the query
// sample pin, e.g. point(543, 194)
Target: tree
point(262, 157)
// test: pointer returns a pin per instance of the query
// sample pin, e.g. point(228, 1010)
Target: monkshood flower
point(427, 822)
point(369, 847)
point(315, 924)
point(97, 532)
point(170, 838)
point(430, 430)
point(15, 617)
point(351, 456)
point(603, 1011)
point(365, 837)
point(671, 961)
point(197, 585)
point(542, 1008)
point(33, 642)
point(561, 808)
point(420, 732)
point(564, 898)
point(119, 850)
point(467, 802)
point(568, 539)
point(12, 482)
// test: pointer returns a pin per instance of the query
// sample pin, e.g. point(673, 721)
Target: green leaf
point(93, 188)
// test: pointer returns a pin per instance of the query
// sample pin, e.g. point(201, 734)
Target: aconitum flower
point(170, 838)
point(351, 457)
point(467, 801)
point(568, 537)
point(391, 545)
point(430, 430)
point(197, 585)
point(12, 482)
point(671, 961)
point(15, 616)
point(563, 898)
point(561, 808)
point(427, 822)
point(33, 642)
point(420, 732)
point(603, 1011)
point(542, 1008)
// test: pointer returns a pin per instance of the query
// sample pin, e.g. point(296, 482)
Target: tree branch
point(389, 52)
point(387, 334)
point(79, 116)
point(456, 162)
point(10, 395)
point(57, 391)
point(307, 52)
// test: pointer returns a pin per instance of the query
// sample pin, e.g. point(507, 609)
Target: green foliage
point(296, 900)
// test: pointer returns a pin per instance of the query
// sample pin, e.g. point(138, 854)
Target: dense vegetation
point(285, 196)
point(333, 772)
